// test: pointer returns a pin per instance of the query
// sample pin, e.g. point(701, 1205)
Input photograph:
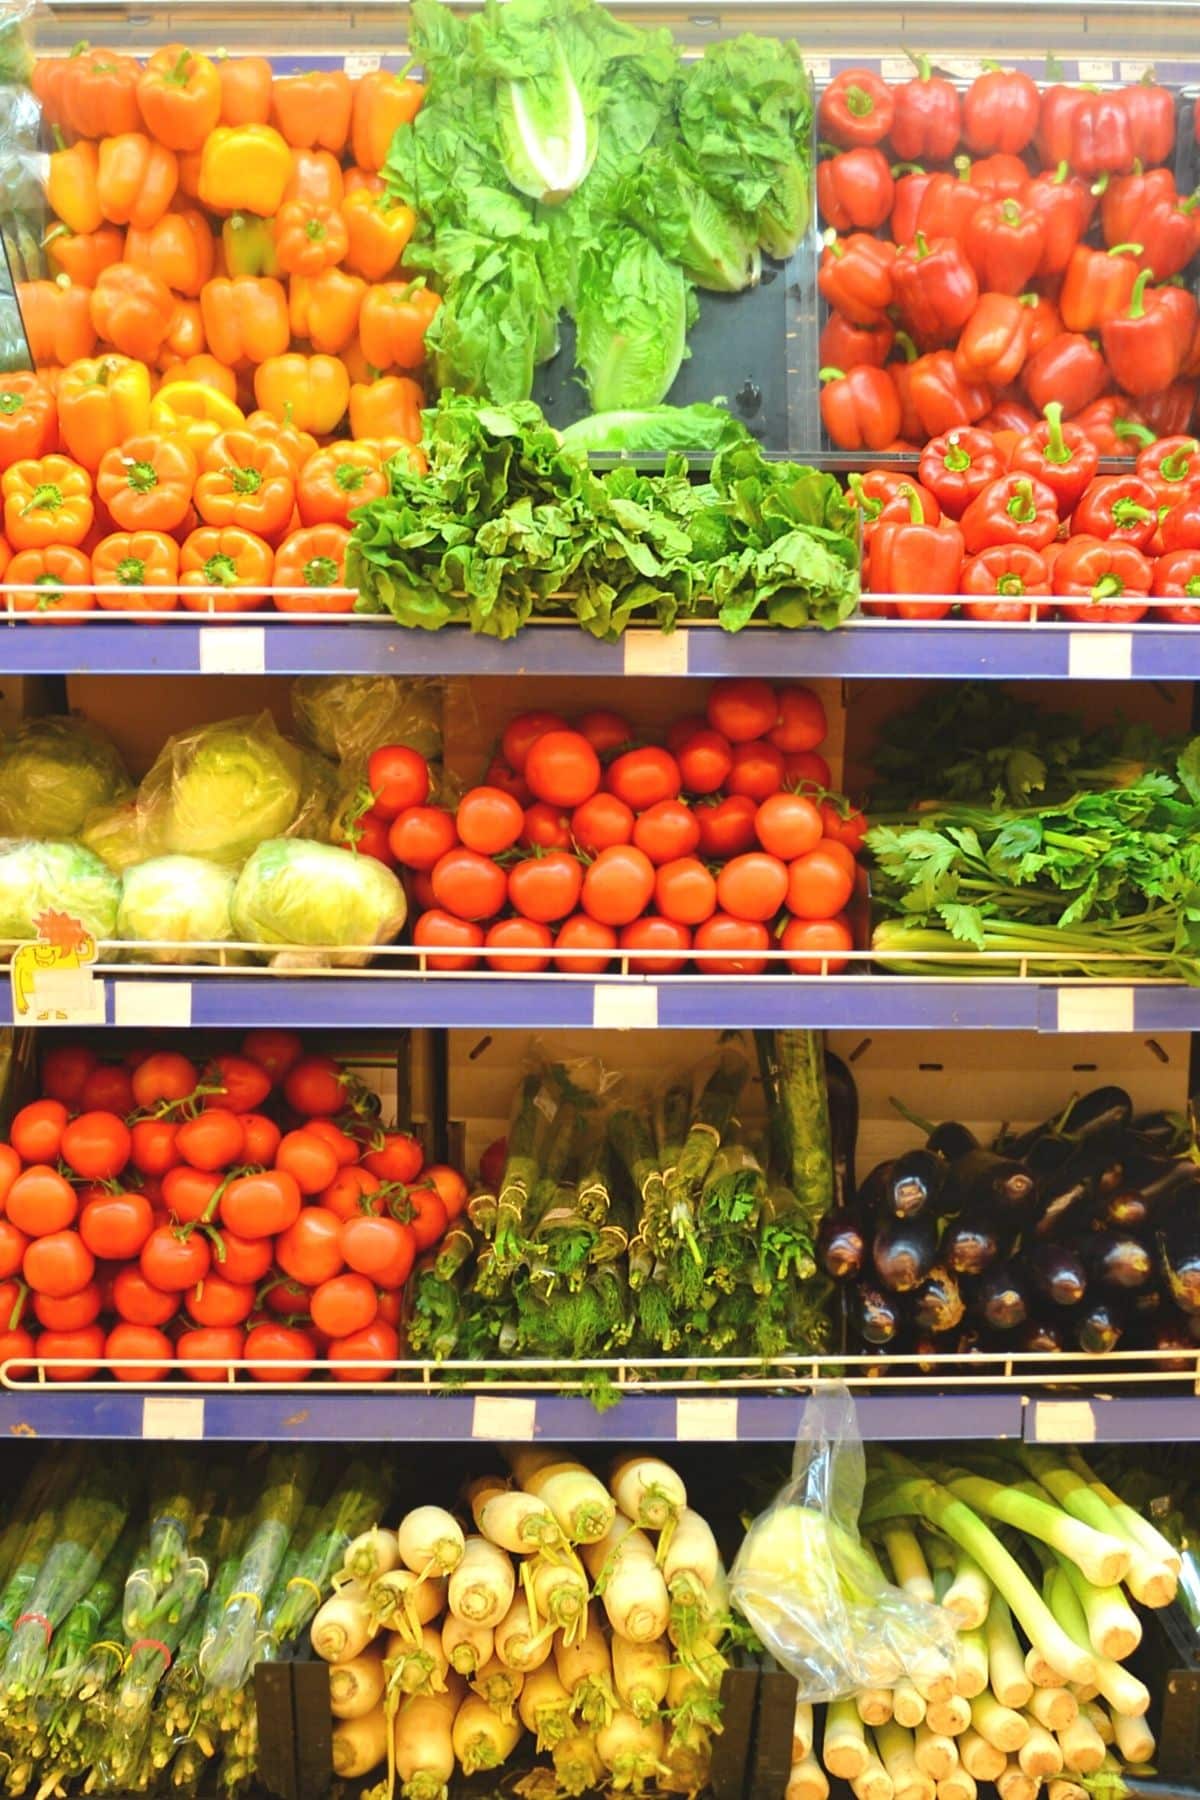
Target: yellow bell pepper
point(309, 392)
point(193, 414)
point(245, 168)
point(101, 402)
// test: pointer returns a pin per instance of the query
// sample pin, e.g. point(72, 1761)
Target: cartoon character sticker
point(52, 978)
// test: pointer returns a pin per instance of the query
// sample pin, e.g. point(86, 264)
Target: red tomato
point(601, 822)
point(10, 1168)
point(705, 759)
point(499, 775)
point(287, 1297)
point(109, 1088)
point(545, 828)
point(685, 892)
point(545, 888)
point(96, 1145)
point(343, 1304)
point(222, 1345)
point(369, 836)
point(820, 937)
point(644, 777)
point(841, 854)
point(85, 1348)
point(438, 929)
point(315, 1087)
point(743, 709)
point(164, 1075)
point(145, 1345)
point(429, 1220)
point(13, 1244)
point(521, 733)
point(727, 827)
point(800, 721)
point(739, 939)
point(68, 1312)
point(581, 933)
point(562, 768)
point(308, 1159)
point(13, 1345)
point(173, 1262)
point(378, 1343)
point(243, 1084)
point(344, 1147)
point(310, 1250)
point(59, 1263)
point(805, 769)
point(64, 1071)
point(654, 933)
point(818, 885)
point(152, 1146)
point(618, 885)
point(422, 835)
point(218, 1301)
point(397, 777)
point(469, 885)
point(752, 886)
point(787, 825)
point(140, 1301)
point(489, 820)
point(517, 934)
point(257, 1206)
point(398, 1158)
point(450, 1186)
point(260, 1138)
point(850, 830)
point(282, 1352)
point(757, 770)
point(239, 1258)
point(213, 1140)
point(370, 1246)
point(348, 1194)
point(605, 731)
point(40, 1201)
point(667, 830)
point(188, 1193)
point(115, 1226)
point(37, 1131)
point(273, 1049)
point(391, 1306)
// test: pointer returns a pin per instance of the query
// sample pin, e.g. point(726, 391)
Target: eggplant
point(1178, 1246)
point(1047, 1155)
point(969, 1340)
point(1118, 1262)
point(1067, 1204)
point(842, 1244)
point(1099, 1324)
point(1057, 1273)
point(1125, 1211)
point(1001, 1299)
point(876, 1316)
point(1101, 1112)
point(982, 1178)
point(915, 1182)
point(938, 1305)
point(971, 1244)
point(951, 1140)
point(872, 1195)
point(843, 1125)
point(903, 1251)
point(1045, 1337)
point(1161, 1133)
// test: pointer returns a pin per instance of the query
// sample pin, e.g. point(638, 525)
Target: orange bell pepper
point(137, 180)
point(190, 164)
point(202, 371)
point(102, 402)
point(28, 419)
point(313, 111)
point(390, 408)
point(246, 480)
point(370, 179)
point(47, 500)
point(395, 317)
point(245, 318)
point(57, 319)
point(132, 311)
point(309, 392)
point(194, 413)
point(383, 102)
point(337, 479)
point(245, 168)
point(325, 308)
point(136, 560)
point(298, 446)
point(358, 368)
point(72, 187)
point(309, 236)
point(47, 81)
point(186, 336)
point(413, 457)
point(377, 230)
point(42, 581)
point(147, 484)
point(248, 246)
point(179, 250)
point(180, 97)
point(224, 562)
point(310, 563)
point(245, 90)
point(81, 255)
point(5, 558)
point(98, 93)
point(317, 177)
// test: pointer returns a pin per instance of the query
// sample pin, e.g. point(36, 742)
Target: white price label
point(1064, 1422)
point(1088, 1009)
point(361, 62)
point(819, 67)
point(233, 649)
point(706, 1419)
point(1095, 69)
point(66, 997)
point(504, 1418)
point(173, 1416)
point(1100, 655)
point(656, 653)
point(619, 1008)
point(896, 68)
point(1135, 71)
point(165, 1003)
point(967, 68)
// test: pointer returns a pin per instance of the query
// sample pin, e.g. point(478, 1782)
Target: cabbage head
point(180, 899)
point(348, 716)
point(53, 773)
point(309, 896)
point(59, 877)
point(221, 790)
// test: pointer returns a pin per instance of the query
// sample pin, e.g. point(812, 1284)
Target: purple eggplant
point(998, 1182)
point(903, 1251)
point(1178, 1244)
point(1067, 1202)
point(938, 1305)
point(842, 1244)
point(1045, 1337)
point(1001, 1297)
point(876, 1316)
point(1057, 1273)
point(1099, 1324)
point(971, 1244)
point(915, 1183)
point(1117, 1262)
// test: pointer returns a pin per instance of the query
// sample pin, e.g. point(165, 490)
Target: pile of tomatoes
point(156, 1216)
point(588, 848)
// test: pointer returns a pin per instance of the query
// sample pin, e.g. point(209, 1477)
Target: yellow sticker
point(504, 1418)
point(53, 978)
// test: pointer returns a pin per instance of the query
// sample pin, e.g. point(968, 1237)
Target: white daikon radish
point(1007, 1677)
point(957, 1785)
point(518, 1644)
point(691, 1561)
point(1134, 1739)
point(479, 1490)
point(423, 1746)
point(844, 1750)
point(360, 1745)
point(1000, 1725)
point(578, 1499)
point(467, 1647)
point(370, 1554)
point(979, 1758)
point(1053, 1708)
point(499, 1686)
point(481, 1588)
point(577, 1763)
point(874, 1705)
point(430, 1541)
point(356, 1686)
point(694, 1704)
point(560, 1594)
point(417, 1668)
point(1063, 1789)
point(631, 1585)
point(1040, 1755)
point(949, 1717)
point(648, 1491)
point(585, 1670)
point(908, 1705)
point(704, 1621)
point(401, 1601)
point(519, 1522)
point(482, 1739)
point(807, 1781)
point(802, 1727)
point(544, 1707)
point(641, 1673)
point(935, 1754)
point(342, 1627)
point(631, 1749)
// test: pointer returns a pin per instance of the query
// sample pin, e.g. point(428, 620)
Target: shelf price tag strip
point(173, 1416)
point(504, 1418)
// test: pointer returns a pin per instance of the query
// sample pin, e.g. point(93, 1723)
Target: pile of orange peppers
point(228, 350)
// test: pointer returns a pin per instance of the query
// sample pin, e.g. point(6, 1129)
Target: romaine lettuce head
point(347, 716)
point(656, 430)
point(177, 899)
point(59, 877)
point(309, 896)
point(222, 789)
point(53, 773)
point(631, 321)
point(710, 240)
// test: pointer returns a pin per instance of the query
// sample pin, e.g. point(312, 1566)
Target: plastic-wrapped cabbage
point(120, 836)
point(221, 790)
point(314, 898)
point(56, 877)
point(348, 716)
point(177, 899)
point(53, 773)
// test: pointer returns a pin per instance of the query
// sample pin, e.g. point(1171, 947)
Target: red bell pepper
point(860, 408)
point(1101, 571)
point(1045, 320)
point(1169, 467)
point(855, 277)
point(911, 183)
point(935, 289)
point(994, 341)
point(1177, 577)
point(1012, 572)
point(1148, 208)
point(1065, 206)
point(928, 119)
point(1060, 455)
point(855, 189)
point(857, 107)
point(1113, 426)
point(914, 558)
point(947, 205)
point(1015, 509)
point(1008, 418)
point(1000, 112)
point(1181, 521)
point(1098, 285)
point(941, 398)
point(1069, 369)
point(882, 495)
point(1145, 344)
point(901, 373)
point(1086, 128)
point(1117, 506)
point(1150, 110)
point(1003, 241)
point(1170, 413)
point(957, 466)
point(845, 345)
point(999, 177)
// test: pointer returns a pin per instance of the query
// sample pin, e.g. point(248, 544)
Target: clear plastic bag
point(54, 772)
point(814, 1592)
point(348, 716)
